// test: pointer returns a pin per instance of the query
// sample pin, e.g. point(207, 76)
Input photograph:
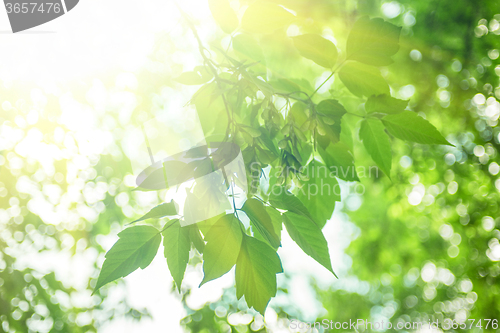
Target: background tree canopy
point(300, 87)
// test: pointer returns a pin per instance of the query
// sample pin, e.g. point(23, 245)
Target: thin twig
point(329, 77)
point(210, 64)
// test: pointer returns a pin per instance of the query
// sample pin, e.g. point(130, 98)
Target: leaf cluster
point(287, 131)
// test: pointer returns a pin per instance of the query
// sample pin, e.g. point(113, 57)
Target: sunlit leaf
point(318, 49)
point(162, 210)
point(259, 217)
point(248, 48)
point(308, 237)
point(265, 17)
point(224, 15)
point(373, 41)
point(198, 76)
point(135, 248)
point(177, 172)
point(363, 80)
point(377, 143)
point(222, 248)
point(293, 86)
point(176, 246)
point(205, 225)
point(346, 134)
point(211, 111)
point(409, 126)
point(384, 104)
point(276, 220)
point(256, 271)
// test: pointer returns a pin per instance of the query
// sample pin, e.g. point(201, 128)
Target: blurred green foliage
point(427, 245)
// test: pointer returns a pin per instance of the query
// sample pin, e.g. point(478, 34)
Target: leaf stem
point(210, 64)
point(357, 115)
point(321, 85)
point(328, 78)
point(234, 202)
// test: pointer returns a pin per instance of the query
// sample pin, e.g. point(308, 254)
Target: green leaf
point(363, 80)
point(377, 143)
point(260, 84)
point(298, 111)
point(177, 171)
point(222, 248)
point(409, 126)
point(331, 108)
point(320, 192)
point(316, 48)
point(176, 246)
point(276, 220)
point(256, 271)
point(198, 76)
point(252, 131)
point(339, 160)
point(373, 41)
point(385, 104)
point(248, 48)
point(205, 225)
point(281, 198)
point(224, 15)
point(265, 17)
point(308, 237)
point(290, 85)
point(259, 217)
point(267, 141)
point(162, 210)
point(346, 134)
point(136, 247)
point(211, 111)
point(196, 238)
point(331, 134)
